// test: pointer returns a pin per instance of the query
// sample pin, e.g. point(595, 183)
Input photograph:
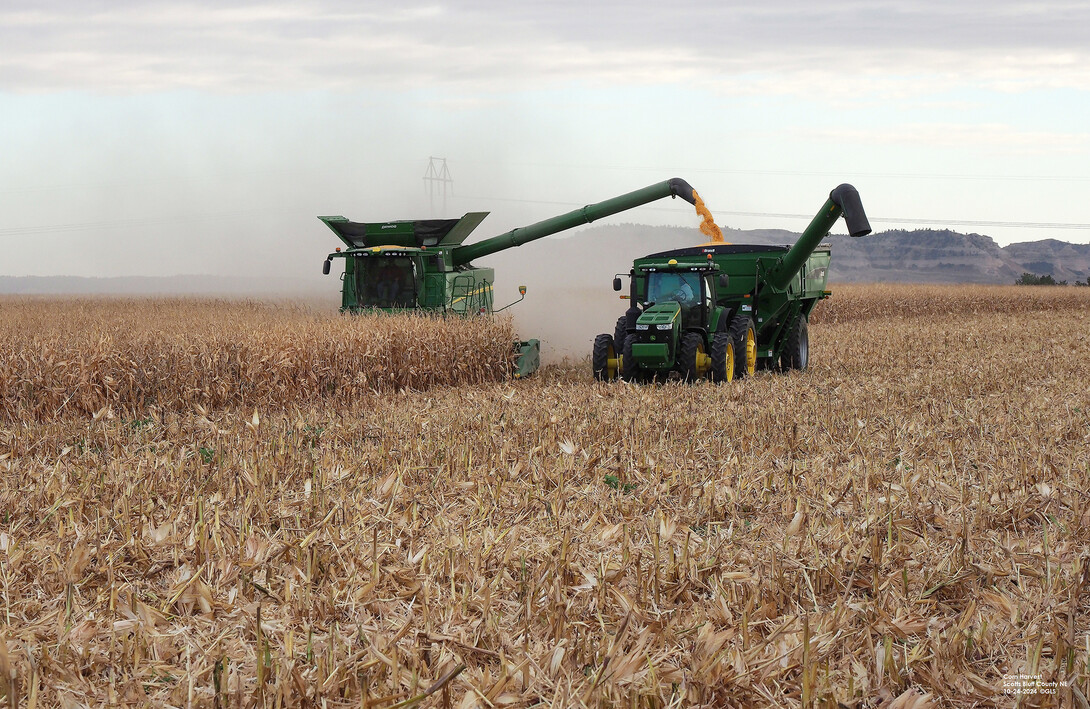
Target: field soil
point(904, 524)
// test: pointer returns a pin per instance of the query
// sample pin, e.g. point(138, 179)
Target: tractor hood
point(660, 316)
point(410, 233)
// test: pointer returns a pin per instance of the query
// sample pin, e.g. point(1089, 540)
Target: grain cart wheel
point(722, 368)
point(620, 333)
point(796, 351)
point(630, 371)
point(744, 336)
point(603, 359)
point(693, 359)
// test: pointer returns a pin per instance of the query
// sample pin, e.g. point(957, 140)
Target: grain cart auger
point(724, 310)
point(422, 265)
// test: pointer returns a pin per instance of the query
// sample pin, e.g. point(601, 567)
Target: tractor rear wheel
point(603, 359)
point(744, 336)
point(692, 357)
point(722, 357)
point(796, 351)
point(620, 333)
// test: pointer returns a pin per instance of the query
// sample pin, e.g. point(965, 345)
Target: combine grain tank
point(724, 310)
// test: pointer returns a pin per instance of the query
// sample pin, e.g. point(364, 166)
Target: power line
point(441, 166)
point(784, 215)
point(799, 173)
point(153, 221)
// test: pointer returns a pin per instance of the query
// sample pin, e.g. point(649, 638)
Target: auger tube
point(844, 200)
point(675, 187)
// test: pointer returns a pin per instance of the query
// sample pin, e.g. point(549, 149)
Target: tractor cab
point(689, 289)
point(674, 316)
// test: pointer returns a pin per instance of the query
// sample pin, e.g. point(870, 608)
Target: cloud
point(486, 45)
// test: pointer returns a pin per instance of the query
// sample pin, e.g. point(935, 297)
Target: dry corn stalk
point(903, 525)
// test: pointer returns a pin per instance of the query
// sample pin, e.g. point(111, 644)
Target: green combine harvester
point(422, 265)
point(724, 310)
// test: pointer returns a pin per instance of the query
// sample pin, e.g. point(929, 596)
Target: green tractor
point(724, 310)
point(423, 266)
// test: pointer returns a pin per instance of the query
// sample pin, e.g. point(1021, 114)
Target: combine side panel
point(816, 274)
point(348, 284)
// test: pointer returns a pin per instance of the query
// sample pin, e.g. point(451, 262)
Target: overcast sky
point(204, 137)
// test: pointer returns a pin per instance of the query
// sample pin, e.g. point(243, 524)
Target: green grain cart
point(724, 310)
point(422, 265)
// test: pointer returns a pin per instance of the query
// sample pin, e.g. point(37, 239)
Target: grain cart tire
point(796, 351)
point(744, 336)
point(692, 347)
point(630, 371)
point(604, 351)
point(620, 333)
point(722, 368)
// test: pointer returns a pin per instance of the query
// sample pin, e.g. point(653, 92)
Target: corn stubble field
point(238, 505)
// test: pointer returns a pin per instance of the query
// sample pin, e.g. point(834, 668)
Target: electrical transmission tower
point(437, 180)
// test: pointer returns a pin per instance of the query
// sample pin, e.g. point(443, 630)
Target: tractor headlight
point(667, 326)
point(641, 327)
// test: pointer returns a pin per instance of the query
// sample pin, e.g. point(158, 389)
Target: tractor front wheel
point(744, 336)
point(796, 351)
point(603, 359)
point(722, 357)
point(692, 357)
point(630, 371)
point(620, 333)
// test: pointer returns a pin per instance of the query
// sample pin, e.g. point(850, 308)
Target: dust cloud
point(570, 297)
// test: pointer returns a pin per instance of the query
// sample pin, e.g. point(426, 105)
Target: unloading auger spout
point(844, 200)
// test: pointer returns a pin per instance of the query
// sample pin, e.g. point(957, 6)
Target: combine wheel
point(744, 336)
point(603, 359)
point(620, 333)
point(693, 358)
point(722, 357)
point(796, 352)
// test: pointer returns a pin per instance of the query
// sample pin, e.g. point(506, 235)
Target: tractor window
point(386, 282)
point(681, 287)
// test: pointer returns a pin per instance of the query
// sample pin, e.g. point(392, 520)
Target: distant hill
point(919, 256)
point(1059, 259)
point(922, 256)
